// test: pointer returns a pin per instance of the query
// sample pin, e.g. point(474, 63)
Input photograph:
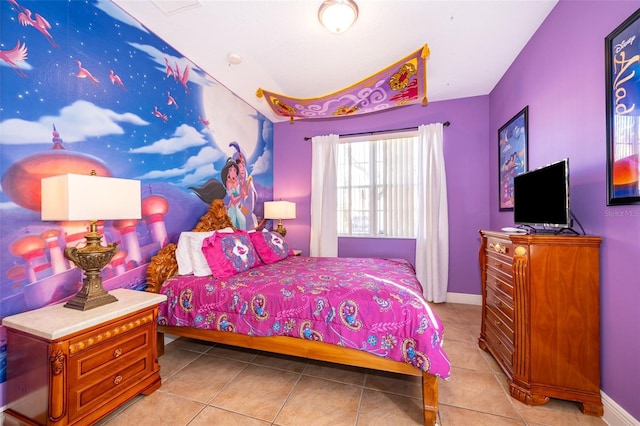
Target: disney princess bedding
point(370, 304)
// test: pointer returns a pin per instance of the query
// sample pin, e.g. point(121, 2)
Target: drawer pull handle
point(117, 353)
point(498, 323)
point(498, 247)
point(117, 380)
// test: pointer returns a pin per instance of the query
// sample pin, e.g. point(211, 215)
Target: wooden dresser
point(67, 367)
point(541, 315)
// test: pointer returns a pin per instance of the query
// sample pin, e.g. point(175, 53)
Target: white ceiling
point(284, 48)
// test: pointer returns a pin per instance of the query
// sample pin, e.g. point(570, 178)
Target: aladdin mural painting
point(126, 105)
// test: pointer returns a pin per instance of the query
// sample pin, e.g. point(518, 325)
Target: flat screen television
point(541, 196)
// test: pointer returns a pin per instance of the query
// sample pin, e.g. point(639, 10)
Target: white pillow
point(183, 251)
point(189, 253)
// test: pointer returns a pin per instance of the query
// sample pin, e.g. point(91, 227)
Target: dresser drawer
point(501, 324)
point(500, 249)
point(501, 303)
point(500, 347)
point(500, 283)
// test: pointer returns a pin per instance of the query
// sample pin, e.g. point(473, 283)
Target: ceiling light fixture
point(337, 16)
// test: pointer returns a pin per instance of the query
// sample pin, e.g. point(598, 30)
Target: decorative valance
point(402, 83)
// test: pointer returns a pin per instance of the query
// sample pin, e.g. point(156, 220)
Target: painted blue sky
point(129, 74)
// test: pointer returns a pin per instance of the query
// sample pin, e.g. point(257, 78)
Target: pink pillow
point(271, 247)
point(229, 254)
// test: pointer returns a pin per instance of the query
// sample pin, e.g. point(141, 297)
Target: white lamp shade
point(279, 210)
point(87, 197)
point(337, 16)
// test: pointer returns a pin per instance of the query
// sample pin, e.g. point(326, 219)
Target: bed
point(316, 308)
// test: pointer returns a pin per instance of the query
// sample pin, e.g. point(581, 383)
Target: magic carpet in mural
point(402, 83)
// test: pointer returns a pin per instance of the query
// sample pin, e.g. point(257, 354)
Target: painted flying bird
point(15, 55)
point(204, 121)
point(115, 79)
point(84, 73)
point(184, 77)
point(170, 71)
point(160, 115)
point(171, 100)
point(39, 23)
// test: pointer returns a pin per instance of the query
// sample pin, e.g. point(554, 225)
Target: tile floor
point(205, 384)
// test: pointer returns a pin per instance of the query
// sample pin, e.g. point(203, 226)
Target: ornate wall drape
point(402, 83)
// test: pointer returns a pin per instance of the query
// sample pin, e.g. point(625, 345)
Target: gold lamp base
point(281, 229)
point(91, 259)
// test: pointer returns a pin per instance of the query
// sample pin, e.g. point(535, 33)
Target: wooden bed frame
point(164, 265)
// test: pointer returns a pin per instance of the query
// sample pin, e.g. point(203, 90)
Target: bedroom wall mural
point(85, 87)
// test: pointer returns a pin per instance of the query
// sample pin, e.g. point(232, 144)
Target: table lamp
point(280, 210)
point(91, 198)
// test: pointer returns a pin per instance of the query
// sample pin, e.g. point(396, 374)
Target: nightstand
point(66, 366)
point(297, 252)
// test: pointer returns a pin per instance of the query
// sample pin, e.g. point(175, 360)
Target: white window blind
point(377, 185)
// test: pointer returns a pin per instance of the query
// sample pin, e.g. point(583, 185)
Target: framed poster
point(622, 60)
point(512, 155)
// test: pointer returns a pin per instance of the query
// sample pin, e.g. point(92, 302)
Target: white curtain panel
point(432, 240)
point(324, 198)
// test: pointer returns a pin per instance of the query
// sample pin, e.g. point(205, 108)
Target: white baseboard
point(467, 299)
point(615, 415)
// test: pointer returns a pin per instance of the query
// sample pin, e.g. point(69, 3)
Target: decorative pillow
point(228, 254)
point(270, 245)
point(189, 253)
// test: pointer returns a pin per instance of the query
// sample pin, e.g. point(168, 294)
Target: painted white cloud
point(115, 12)
point(200, 175)
point(161, 174)
point(202, 163)
point(184, 137)
point(207, 155)
point(262, 164)
point(75, 122)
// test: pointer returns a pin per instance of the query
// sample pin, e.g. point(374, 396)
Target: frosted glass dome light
point(338, 16)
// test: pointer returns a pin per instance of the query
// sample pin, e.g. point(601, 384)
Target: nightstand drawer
point(132, 337)
point(90, 394)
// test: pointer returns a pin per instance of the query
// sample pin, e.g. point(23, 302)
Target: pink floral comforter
point(374, 305)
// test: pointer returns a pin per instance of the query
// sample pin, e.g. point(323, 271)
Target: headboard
point(164, 265)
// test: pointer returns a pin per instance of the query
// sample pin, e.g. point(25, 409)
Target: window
point(377, 185)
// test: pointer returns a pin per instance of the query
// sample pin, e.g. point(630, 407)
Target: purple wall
point(466, 158)
point(560, 75)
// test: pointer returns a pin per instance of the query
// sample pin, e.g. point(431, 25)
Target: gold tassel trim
point(425, 54)
point(259, 92)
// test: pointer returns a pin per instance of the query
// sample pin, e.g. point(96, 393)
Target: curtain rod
point(445, 124)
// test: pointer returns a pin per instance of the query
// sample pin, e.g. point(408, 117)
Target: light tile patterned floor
point(205, 384)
